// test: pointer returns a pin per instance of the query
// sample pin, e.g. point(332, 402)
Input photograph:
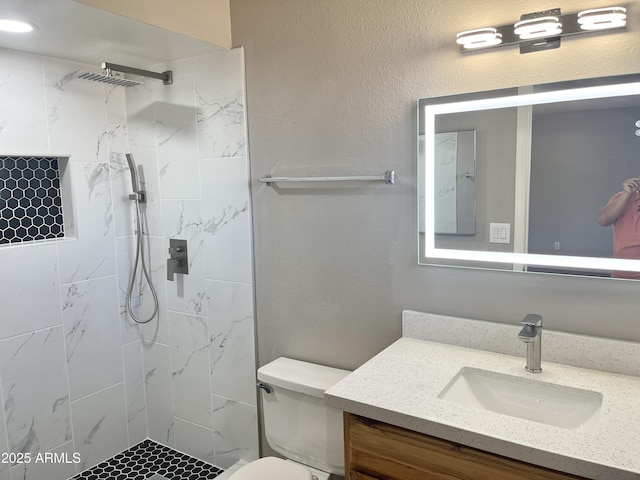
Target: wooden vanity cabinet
point(379, 451)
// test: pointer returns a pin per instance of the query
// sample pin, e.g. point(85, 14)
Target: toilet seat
point(272, 468)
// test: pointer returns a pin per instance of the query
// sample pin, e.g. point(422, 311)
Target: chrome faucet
point(531, 334)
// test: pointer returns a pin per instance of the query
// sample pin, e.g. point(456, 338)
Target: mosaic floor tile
point(149, 460)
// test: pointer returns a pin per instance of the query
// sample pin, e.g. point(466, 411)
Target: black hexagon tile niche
point(30, 199)
point(149, 460)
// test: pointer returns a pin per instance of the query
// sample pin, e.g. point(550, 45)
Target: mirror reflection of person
point(623, 212)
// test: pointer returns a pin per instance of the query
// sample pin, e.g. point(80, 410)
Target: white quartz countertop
point(401, 384)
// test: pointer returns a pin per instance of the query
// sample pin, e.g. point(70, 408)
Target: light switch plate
point(500, 233)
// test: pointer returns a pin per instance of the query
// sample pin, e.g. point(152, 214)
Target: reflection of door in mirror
point(489, 137)
point(446, 183)
point(455, 183)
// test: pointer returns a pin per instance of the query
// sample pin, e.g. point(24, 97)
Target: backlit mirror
point(544, 165)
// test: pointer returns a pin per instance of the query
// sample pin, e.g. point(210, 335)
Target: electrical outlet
point(556, 245)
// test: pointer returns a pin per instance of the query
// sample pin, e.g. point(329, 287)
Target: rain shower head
point(108, 77)
point(111, 79)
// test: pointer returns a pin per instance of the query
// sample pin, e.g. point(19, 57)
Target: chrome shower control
point(178, 261)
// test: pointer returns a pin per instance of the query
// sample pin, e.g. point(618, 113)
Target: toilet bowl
point(272, 467)
point(297, 423)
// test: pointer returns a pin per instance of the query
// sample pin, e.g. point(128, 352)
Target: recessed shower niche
point(35, 199)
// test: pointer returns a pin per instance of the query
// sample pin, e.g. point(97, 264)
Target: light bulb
point(537, 28)
point(15, 26)
point(479, 38)
point(602, 18)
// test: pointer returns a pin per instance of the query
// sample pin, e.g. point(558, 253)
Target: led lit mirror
point(547, 160)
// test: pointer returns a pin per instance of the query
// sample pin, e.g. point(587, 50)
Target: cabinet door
point(381, 451)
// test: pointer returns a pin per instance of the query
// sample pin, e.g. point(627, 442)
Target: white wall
point(332, 89)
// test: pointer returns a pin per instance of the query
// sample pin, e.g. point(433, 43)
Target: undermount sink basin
point(534, 400)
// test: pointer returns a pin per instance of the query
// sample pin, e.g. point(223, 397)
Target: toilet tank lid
point(301, 377)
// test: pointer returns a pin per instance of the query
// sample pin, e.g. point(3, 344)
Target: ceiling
point(73, 31)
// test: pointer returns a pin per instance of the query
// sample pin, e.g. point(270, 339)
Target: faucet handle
point(532, 320)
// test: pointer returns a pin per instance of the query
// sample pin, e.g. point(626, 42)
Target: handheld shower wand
point(135, 185)
point(139, 196)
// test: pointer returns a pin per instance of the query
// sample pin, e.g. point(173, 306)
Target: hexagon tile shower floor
point(149, 460)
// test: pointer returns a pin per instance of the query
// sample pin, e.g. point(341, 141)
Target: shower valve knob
point(178, 261)
point(172, 266)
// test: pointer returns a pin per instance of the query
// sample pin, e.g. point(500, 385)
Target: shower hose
point(145, 271)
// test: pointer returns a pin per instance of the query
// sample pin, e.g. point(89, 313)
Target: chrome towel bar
point(388, 177)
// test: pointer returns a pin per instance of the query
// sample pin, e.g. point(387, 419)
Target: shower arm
point(166, 77)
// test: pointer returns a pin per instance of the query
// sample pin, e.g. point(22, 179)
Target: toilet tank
point(297, 423)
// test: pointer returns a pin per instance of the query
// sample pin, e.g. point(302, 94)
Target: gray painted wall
point(331, 89)
point(579, 160)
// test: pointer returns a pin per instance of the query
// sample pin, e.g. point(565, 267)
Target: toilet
point(297, 423)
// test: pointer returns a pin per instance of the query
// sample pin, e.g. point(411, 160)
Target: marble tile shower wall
point(199, 358)
point(70, 381)
point(76, 375)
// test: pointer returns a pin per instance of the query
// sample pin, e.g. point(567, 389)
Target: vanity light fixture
point(541, 27)
point(479, 38)
point(543, 30)
point(603, 18)
point(15, 26)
